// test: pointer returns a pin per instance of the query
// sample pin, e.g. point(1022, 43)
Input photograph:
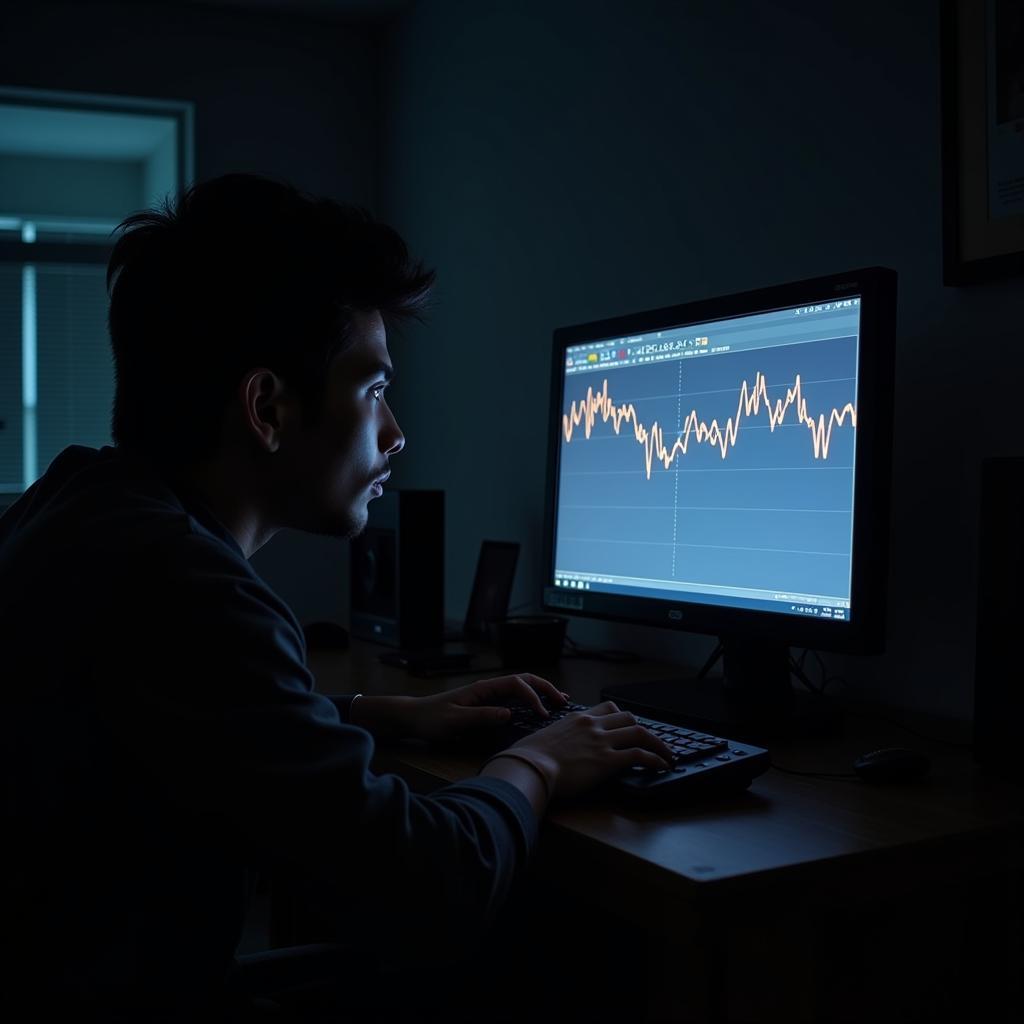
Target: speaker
point(397, 571)
point(998, 694)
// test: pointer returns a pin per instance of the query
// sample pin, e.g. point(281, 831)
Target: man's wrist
point(546, 767)
point(385, 717)
point(525, 773)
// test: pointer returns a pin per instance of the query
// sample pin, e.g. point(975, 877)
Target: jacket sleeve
point(210, 694)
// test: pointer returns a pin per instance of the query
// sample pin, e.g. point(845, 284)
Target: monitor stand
point(754, 701)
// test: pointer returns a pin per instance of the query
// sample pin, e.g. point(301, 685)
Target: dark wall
point(274, 94)
point(564, 162)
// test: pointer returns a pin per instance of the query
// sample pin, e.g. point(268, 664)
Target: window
point(72, 166)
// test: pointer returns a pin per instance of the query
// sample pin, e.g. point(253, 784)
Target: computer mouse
point(892, 764)
point(327, 636)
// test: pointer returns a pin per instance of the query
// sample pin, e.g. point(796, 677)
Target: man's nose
point(393, 440)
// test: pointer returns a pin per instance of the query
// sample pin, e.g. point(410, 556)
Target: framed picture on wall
point(982, 139)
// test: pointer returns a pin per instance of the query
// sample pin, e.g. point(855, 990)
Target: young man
point(162, 732)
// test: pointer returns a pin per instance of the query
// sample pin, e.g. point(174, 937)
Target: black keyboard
point(702, 764)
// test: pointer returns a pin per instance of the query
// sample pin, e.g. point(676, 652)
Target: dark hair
point(243, 271)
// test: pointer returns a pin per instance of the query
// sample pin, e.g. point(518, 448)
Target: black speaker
point(397, 571)
point(998, 694)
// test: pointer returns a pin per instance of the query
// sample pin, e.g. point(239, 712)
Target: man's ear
point(265, 408)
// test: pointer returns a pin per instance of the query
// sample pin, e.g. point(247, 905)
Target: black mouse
point(327, 636)
point(892, 764)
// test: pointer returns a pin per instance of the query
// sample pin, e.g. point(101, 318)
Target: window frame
point(21, 252)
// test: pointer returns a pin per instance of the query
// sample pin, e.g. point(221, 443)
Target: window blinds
point(74, 367)
point(11, 436)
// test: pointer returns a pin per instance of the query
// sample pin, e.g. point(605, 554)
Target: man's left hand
point(472, 709)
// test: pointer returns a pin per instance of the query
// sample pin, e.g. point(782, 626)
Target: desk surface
point(748, 907)
point(783, 829)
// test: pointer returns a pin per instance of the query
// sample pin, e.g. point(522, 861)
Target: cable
point(797, 669)
point(826, 679)
point(709, 664)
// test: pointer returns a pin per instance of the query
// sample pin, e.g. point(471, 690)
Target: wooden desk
point(802, 899)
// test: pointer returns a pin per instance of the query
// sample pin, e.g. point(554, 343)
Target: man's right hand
point(587, 747)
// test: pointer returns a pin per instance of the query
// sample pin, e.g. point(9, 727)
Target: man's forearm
point(385, 717)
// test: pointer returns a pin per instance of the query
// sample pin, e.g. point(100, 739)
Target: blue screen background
point(768, 517)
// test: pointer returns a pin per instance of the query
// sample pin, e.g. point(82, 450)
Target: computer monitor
point(723, 467)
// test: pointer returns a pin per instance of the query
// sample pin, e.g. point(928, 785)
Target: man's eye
point(378, 392)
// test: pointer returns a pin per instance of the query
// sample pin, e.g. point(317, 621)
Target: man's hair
point(243, 271)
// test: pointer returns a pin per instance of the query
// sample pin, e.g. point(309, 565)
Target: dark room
point(488, 532)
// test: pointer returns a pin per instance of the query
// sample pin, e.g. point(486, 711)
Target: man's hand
point(472, 709)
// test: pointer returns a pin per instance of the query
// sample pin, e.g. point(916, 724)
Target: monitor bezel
point(864, 633)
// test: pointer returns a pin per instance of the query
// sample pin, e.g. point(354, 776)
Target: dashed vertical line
point(675, 495)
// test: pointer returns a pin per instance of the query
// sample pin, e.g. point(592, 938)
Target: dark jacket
point(163, 740)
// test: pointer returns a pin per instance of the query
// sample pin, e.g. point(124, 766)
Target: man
point(162, 733)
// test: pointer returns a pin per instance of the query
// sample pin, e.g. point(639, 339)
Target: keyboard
point(702, 763)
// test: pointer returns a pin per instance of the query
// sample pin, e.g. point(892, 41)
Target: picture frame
point(492, 586)
point(982, 96)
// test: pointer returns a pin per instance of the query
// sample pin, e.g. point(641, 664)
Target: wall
point(564, 162)
point(275, 94)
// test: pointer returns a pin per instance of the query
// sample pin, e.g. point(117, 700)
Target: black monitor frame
point(864, 632)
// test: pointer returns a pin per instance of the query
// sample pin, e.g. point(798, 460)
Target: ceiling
point(329, 10)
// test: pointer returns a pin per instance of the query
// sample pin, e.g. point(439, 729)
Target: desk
point(801, 899)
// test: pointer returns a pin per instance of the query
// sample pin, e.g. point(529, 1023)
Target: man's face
point(338, 462)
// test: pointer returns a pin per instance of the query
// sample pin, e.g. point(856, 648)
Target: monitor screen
point(714, 461)
point(710, 468)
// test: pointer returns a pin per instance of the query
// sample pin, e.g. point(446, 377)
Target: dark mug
point(527, 640)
